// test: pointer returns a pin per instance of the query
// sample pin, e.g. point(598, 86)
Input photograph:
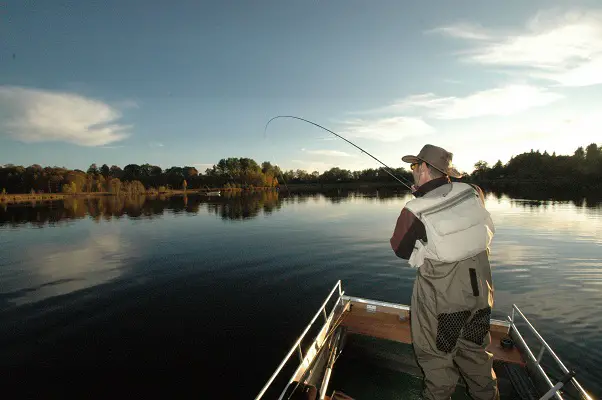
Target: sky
point(189, 82)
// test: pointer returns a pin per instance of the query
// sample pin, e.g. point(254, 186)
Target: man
point(445, 232)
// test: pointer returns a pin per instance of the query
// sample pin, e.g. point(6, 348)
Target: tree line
point(583, 167)
point(233, 172)
point(134, 178)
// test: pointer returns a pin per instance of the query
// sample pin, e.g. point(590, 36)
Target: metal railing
point(544, 347)
point(297, 344)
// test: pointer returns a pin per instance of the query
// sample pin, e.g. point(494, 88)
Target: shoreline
point(526, 188)
point(341, 186)
point(15, 198)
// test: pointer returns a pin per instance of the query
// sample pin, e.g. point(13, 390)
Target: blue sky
point(190, 82)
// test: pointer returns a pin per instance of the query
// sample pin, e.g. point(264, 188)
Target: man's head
point(431, 163)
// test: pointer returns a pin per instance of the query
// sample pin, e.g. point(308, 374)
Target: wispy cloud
point(463, 31)
point(562, 47)
point(330, 153)
point(155, 144)
point(33, 115)
point(202, 166)
point(506, 100)
point(390, 129)
point(127, 104)
point(310, 166)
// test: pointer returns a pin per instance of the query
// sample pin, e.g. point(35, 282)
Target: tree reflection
point(242, 206)
point(235, 206)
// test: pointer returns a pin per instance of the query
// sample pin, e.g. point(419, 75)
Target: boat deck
point(394, 324)
point(371, 368)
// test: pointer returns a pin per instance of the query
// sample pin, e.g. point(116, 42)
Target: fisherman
point(445, 232)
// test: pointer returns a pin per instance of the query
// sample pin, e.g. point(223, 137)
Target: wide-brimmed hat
point(437, 157)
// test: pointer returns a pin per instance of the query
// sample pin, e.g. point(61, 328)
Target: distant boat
point(375, 333)
point(206, 191)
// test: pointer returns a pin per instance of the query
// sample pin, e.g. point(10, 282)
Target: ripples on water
point(101, 282)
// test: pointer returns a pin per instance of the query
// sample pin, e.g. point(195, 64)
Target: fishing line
point(387, 169)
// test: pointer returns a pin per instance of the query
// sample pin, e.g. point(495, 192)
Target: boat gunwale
point(509, 325)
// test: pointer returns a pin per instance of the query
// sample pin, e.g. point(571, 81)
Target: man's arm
point(407, 230)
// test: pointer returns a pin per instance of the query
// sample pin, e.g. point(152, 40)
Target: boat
point(211, 193)
point(369, 343)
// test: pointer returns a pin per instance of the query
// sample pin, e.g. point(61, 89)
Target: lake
point(214, 291)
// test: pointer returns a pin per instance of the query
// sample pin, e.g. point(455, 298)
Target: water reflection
point(535, 196)
point(51, 270)
point(236, 206)
point(233, 206)
point(228, 206)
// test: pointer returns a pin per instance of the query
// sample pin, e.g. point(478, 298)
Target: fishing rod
point(387, 169)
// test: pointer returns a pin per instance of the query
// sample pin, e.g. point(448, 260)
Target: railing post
point(540, 355)
point(324, 312)
point(300, 352)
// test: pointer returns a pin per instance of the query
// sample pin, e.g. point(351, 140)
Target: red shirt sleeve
point(408, 229)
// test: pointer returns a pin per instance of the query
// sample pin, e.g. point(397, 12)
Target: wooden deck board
point(385, 323)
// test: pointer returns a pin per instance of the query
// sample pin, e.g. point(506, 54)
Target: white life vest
point(457, 224)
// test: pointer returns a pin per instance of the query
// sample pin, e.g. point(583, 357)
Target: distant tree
point(93, 170)
point(105, 170)
point(579, 153)
point(132, 172)
point(184, 185)
point(116, 171)
point(483, 165)
point(99, 185)
point(114, 186)
point(591, 153)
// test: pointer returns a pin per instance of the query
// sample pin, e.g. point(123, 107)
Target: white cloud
point(507, 100)
point(565, 48)
point(561, 132)
point(387, 129)
point(330, 153)
point(155, 144)
point(33, 115)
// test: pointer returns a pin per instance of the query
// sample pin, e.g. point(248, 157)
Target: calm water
point(217, 290)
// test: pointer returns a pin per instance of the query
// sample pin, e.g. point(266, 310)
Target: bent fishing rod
point(387, 169)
